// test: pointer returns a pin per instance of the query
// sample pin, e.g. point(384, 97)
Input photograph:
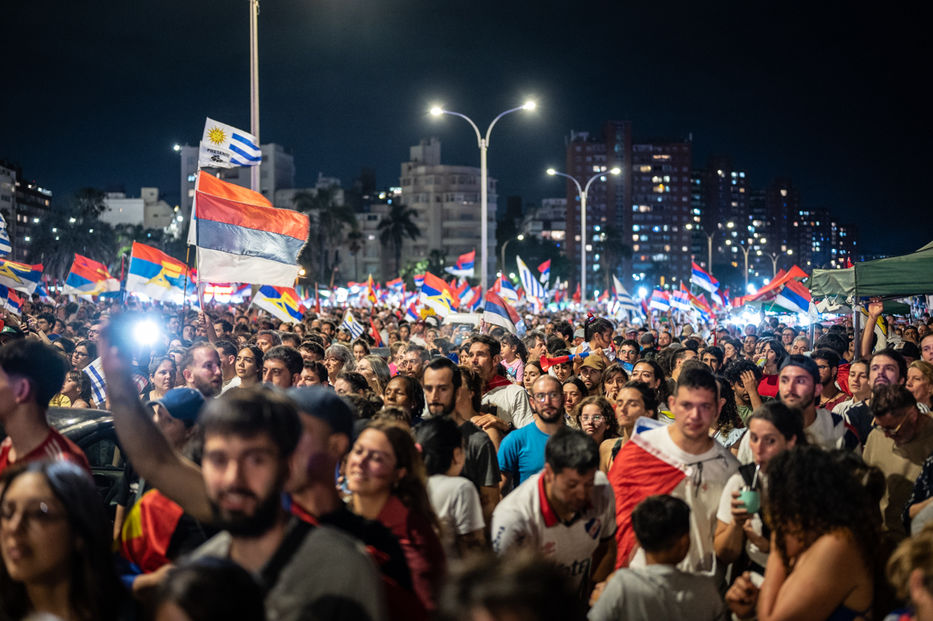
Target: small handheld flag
point(225, 146)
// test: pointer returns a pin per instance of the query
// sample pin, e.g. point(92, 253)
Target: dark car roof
point(75, 423)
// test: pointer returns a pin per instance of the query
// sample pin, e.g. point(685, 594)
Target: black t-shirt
point(481, 466)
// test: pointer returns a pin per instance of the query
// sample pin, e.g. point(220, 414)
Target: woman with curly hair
point(728, 428)
point(826, 533)
point(386, 476)
point(574, 390)
point(405, 392)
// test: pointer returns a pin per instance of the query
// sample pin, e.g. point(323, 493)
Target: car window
point(104, 453)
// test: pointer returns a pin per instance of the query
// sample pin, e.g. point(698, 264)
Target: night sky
point(96, 92)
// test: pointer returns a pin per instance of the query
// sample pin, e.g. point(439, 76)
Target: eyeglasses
point(34, 514)
point(548, 396)
point(888, 431)
point(596, 418)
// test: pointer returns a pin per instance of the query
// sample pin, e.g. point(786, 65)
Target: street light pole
point(254, 86)
point(483, 143)
point(582, 193)
point(520, 237)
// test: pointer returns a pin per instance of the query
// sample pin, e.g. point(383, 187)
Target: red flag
point(317, 301)
point(576, 294)
point(545, 266)
point(377, 338)
point(638, 472)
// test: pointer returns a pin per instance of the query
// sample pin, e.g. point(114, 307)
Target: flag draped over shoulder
point(638, 471)
point(156, 274)
point(225, 146)
point(89, 277)
point(280, 302)
point(241, 237)
point(20, 276)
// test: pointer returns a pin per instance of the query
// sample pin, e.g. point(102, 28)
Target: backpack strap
point(269, 574)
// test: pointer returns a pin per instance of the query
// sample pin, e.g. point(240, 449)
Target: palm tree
point(398, 224)
point(354, 245)
point(73, 228)
point(328, 221)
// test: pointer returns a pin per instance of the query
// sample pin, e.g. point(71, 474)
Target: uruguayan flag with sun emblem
point(224, 146)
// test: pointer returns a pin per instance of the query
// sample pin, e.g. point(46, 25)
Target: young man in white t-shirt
point(564, 512)
point(682, 460)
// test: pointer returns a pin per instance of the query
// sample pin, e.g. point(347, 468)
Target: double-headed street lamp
point(484, 208)
point(774, 259)
point(582, 192)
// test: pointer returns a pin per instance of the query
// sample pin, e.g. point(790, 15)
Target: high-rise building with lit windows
point(607, 201)
point(660, 212)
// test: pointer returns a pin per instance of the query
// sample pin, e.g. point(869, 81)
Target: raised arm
point(146, 447)
point(875, 308)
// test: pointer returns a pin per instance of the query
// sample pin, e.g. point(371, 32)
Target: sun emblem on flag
point(216, 135)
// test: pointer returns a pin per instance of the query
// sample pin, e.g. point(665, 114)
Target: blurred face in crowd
point(884, 371)
point(562, 370)
point(308, 378)
point(164, 377)
point(796, 388)
point(926, 348)
point(858, 380)
point(765, 441)
point(439, 392)
point(482, 361)
point(800, 346)
point(572, 395)
point(276, 373)
point(644, 372)
point(396, 393)
point(787, 337)
point(204, 373)
point(918, 385)
point(628, 353)
point(629, 406)
point(243, 477)
point(245, 364)
point(264, 342)
point(531, 373)
point(711, 361)
point(35, 537)
point(593, 422)
point(664, 339)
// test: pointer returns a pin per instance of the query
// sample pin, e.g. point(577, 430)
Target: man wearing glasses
point(900, 440)
point(521, 453)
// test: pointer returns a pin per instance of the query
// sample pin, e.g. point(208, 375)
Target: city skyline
point(348, 85)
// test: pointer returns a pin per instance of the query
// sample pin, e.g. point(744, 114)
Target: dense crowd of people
point(585, 469)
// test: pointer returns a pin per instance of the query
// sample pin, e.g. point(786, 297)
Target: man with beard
point(512, 408)
point(901, 440)
point(564, 513)
point(201, 370)
point(249, 436)
point(799, 388)
point(521, 453)
point(443, 389)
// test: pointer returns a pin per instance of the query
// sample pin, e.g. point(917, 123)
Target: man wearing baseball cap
point(591, 373)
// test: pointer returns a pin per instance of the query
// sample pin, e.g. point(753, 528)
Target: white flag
point(224, 146)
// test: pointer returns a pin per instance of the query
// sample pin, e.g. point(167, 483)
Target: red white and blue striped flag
point(241, 237)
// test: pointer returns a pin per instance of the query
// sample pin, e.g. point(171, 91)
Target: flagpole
point(254, 87)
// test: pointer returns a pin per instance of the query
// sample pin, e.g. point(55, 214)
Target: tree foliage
point(395, 227)
point(73, 227)
point(329, 219)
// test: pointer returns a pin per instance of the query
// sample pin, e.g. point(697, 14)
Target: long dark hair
point(411, 489)
point(95, 590)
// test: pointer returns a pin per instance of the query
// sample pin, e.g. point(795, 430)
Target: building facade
point(446, 199)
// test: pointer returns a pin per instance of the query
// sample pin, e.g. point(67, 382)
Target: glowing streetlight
point(483, 143)
point(582, 192)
